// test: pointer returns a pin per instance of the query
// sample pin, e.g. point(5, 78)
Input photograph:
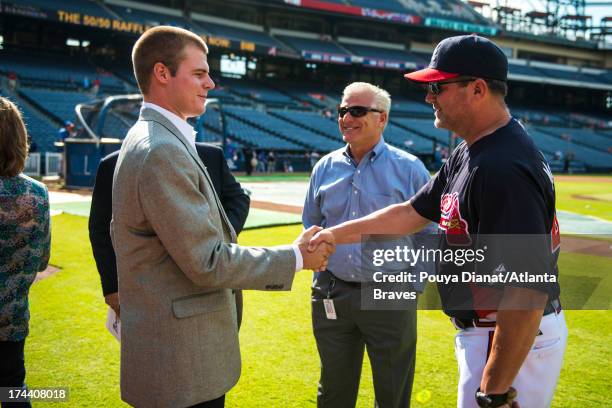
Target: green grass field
point(69, 346)
point(273, 177)
point(595, 198)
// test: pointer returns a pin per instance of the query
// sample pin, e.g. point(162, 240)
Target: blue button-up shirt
point(342, 190)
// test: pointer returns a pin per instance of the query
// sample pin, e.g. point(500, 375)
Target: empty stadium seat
point(89, 7)
point(524, 70)
point(424, 127)
point(237, 33)
point(150, 18)
point(384, 53)
point(313, 45)
point(116, 126)
point(60, 104)
point(404, 105)
point(57, 71)
point(587, 137)
point(550, 144)
point(533, 115)
point(407, 140)
point(258, 138)
point(41, 130)
point(285, 128)
point(256, 91)
point(312, 120)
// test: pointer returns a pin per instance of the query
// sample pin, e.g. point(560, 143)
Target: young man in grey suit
point(176, 252)
point(234, 199)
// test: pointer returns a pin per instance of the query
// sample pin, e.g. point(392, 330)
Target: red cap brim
point(429, 75)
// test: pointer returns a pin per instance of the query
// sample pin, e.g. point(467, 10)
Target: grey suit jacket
point(179, 341)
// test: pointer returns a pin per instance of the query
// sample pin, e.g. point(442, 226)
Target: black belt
point(553, 306)
point(347, 283)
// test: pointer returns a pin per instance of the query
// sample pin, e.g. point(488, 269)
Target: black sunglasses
point(355, 111)
point(436, 87)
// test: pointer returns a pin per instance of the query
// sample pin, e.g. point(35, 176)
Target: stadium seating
point(423, 127)
point(407, 140)
point(212, 120)
point(311, 94)
point(222, 93)
point(404, 105)
point(57, 71)
point(533, 115)
point(384, 53)
point(424, 56)
point(585, 137)
point(40, 129)
point(115, 126)
point(313, 45)
point(289, 114)
point(589, 120)
point(565, 74)
point(150, 18)
point(209, 136)
point(60, 104)
point(74, 6)
point(255, 137)
point(237, 33)
point(524, 70)
point(310, 120)
point(288, 130)
point(540, 70)
point(123, 72)
point(550, 144)
point(256, 91)
point(604, 77)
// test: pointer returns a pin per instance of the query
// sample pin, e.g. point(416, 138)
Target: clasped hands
point(316, 245)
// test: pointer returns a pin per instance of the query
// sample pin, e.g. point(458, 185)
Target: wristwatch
point(495, 400)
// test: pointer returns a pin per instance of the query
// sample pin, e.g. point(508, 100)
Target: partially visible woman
point(24, 244)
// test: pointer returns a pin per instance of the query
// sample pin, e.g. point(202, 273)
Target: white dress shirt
point(185, 128)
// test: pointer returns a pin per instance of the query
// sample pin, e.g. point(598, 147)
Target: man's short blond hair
point(163, 44)
point(382, 99)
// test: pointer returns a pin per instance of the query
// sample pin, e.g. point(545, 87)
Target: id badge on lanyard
point(330, 309)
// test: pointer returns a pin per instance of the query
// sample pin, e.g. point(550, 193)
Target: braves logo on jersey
point(451, 222)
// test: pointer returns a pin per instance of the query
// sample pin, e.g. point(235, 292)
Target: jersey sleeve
point(426, 201)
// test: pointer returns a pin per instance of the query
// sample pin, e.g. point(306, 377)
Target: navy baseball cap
point(464, 55)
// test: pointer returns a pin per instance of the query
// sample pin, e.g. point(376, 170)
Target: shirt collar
point(185, 128)
point(373, 154)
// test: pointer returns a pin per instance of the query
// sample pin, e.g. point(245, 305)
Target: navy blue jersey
point(501, 184)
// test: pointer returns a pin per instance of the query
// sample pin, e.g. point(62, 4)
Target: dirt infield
point(266, 205)
point(586, 246)
point(591, 198)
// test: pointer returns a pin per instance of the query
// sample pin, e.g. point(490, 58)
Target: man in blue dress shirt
point(347, 184)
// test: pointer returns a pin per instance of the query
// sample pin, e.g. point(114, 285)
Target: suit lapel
point(148, 114)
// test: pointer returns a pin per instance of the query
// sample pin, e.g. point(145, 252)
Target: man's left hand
point(112, 299)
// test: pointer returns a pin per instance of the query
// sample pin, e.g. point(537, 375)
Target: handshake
point(316, 245)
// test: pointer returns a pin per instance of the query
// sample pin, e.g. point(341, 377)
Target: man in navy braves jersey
point(512, 337)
